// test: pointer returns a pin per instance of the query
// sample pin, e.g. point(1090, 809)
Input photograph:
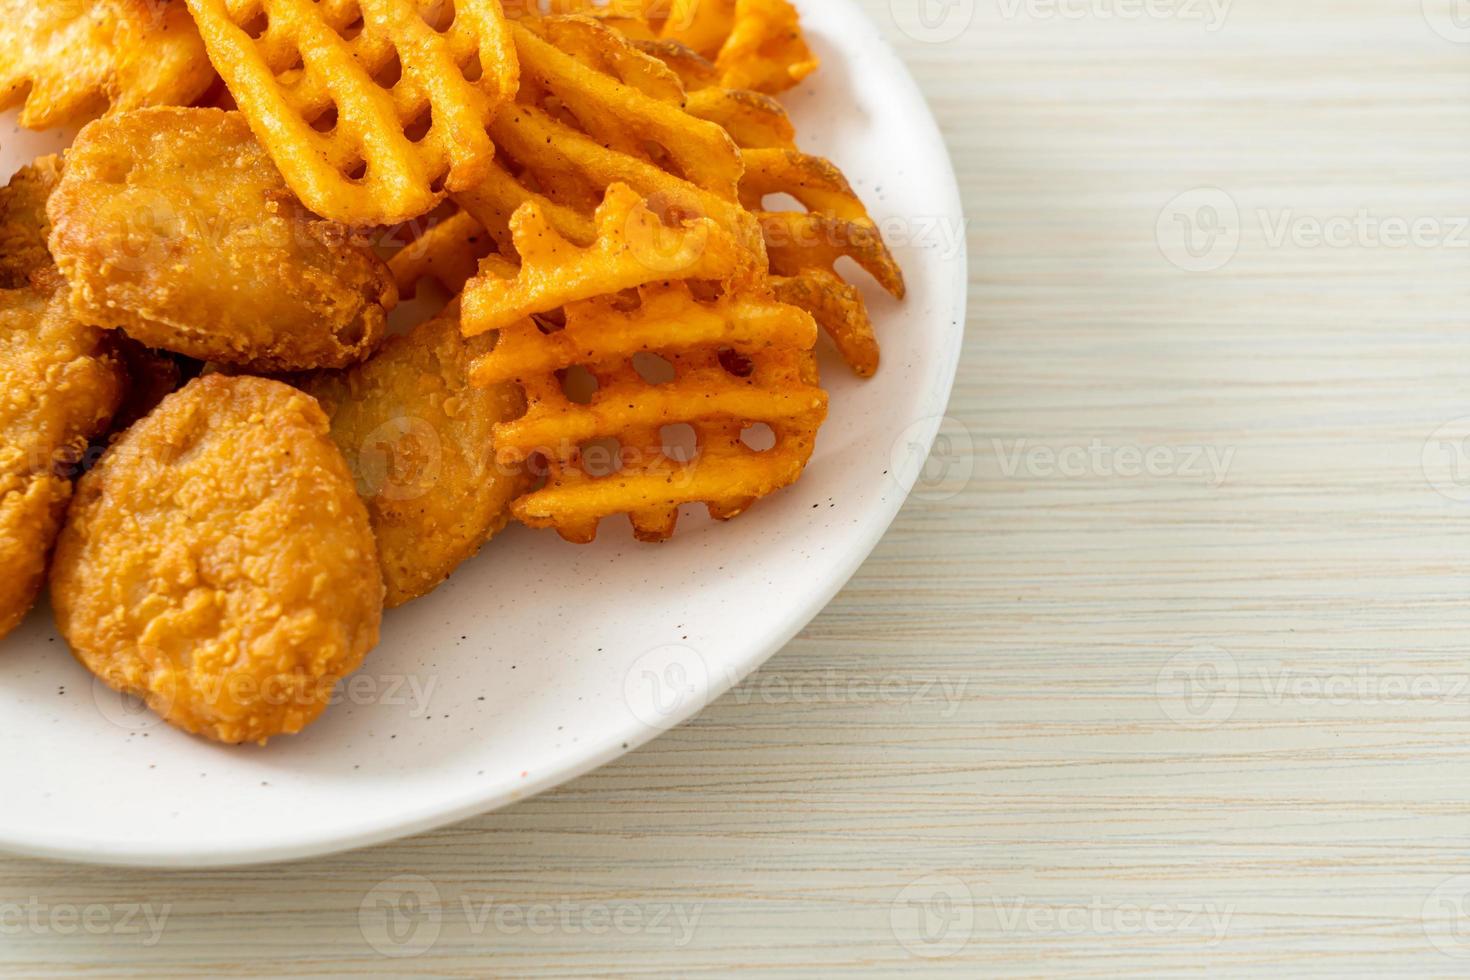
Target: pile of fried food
point(228, 462)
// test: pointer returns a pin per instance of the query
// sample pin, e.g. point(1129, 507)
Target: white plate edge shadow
point(932, 406)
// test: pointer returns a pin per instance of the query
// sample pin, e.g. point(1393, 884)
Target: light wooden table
point(1168, 674)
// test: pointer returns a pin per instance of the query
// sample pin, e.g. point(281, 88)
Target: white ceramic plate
point(539, 660)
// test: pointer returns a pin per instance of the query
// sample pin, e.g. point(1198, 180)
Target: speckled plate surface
point(539, 660)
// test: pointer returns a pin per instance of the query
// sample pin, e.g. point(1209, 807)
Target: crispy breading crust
point(23, 223)
point(218, 563)
point(418, 436)
point(62, 384)
point(174, 225)
point(69, 60)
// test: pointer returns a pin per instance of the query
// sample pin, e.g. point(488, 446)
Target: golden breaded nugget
point(23, 223)
point(218, 563)
point(174, 225)
point(69, 60)
point(371, 108)
point(420, 439)
point(62, 385)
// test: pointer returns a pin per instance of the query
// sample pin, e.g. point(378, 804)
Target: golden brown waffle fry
point(621, 115)
point(835, 223)
point(694, 70)
point(370, 108)
point(550, 150)
point(23, 222)
point(68, 60)
point(741, 361)
point(751, 119)
point(596, 44)
point(634, 245)
point(764, 50)
point(496, 198)
point(448, 253)
point(803, 247)
point(755, 44)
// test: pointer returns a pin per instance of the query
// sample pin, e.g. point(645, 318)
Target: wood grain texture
point(1093, 707)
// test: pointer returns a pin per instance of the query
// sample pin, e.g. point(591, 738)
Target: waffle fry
point(634, 246)
point(755, 44)
point(449, 253)
point(744, 359)
point(617, 110)
point(803, 247)
point(369, 110)
point(69, 60)
point(764, 50)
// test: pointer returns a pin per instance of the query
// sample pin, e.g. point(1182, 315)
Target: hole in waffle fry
point(439, 15)
point(391, 72)
point(327, 121)
point(653, 368)
point(758, 437)
point(549, 322)
point(257, 26)
point(736, 363)
point(781, 201)
point(415, 131)
point(601, 457)
point(578, 384)
point(679, 441)
point(357, 171)
point(352, 30)
point(473, 69)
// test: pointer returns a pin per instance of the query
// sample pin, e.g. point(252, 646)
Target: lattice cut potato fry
point(448, 253)
point(556, 154)
point(733, 366)
point(804, 246)
point(626, 101)
point(69, 60)
point(634, 245)
point(755, 44)
point(765, 49)
point(370, 108)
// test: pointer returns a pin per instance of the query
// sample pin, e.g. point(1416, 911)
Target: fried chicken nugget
point(62, 384)
point(418, 436)
point(174, 225)
point(23, 223)
point(218, 563)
